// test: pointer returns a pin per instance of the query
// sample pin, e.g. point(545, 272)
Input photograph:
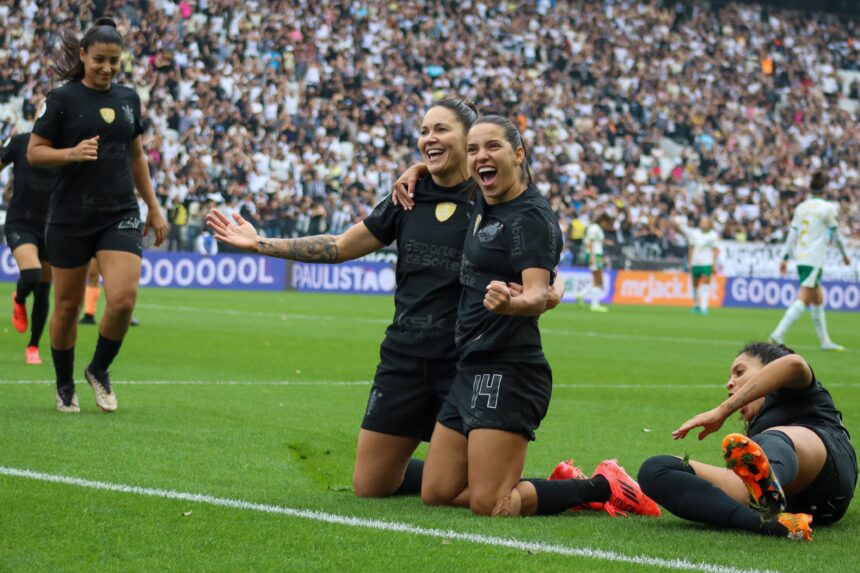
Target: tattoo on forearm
point(741, 399)
point(319, 249)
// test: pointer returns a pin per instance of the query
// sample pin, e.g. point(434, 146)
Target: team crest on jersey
point(444, 211)
point(108, 114)
point(477, 224)
point(128, 114)
point(489, 232)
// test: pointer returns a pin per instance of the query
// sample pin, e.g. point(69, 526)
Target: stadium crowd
point(300, 114)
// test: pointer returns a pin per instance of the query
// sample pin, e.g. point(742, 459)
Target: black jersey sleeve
point(534, 240)
point(7, 152)
point(49, 118)
point(382, 221)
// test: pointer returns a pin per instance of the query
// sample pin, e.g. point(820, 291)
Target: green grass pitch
point(624, 381)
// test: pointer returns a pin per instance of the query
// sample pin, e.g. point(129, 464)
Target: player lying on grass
point(794, 464)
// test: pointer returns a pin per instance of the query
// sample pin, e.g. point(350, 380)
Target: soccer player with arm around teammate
point(417, 356)
point(90, 129)
point(794, 464)
point(25, 235)
point(814, 225)
point(702, 258)
point(503, 384)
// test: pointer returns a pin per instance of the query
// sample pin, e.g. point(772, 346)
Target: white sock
point(704, 292)
point(820, 323)
point(792, 313)
point(596, 293)
point(695, 296)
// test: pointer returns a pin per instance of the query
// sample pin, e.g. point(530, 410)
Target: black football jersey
point(91, 192)
point(811, 406)
point(503, 240)
point(429, 251)
point(31, 186)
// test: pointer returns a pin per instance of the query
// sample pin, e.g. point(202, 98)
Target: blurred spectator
point(299, 114)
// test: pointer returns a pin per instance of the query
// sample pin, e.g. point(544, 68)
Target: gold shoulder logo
point(444, 211)
point(108, 114)
point(477, 224)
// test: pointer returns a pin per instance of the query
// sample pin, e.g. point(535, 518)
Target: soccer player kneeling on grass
point(795, 463)
point(503, 384)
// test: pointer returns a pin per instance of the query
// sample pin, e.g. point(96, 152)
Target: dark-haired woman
point(90, 129)
point(417, 356)
point(25, 235)
point(503, 384)
point(793, 466)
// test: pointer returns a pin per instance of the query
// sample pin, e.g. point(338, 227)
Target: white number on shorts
point(486, 386)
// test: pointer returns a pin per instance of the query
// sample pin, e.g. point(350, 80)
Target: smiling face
point(494, 163)
point(101, 64)
point(744, 367)
point(442, 143)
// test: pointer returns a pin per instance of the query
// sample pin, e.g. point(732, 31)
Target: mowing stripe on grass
point(584, 552)
point(559, 331)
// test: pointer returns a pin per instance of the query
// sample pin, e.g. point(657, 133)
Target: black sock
point(106, 351)
point(675, 485)
point(27, 283)
point(555, 496)
point(39, 314)
point(64, 366)
point(411, 484)
point(779, 450)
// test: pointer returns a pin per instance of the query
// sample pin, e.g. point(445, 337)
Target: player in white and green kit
point(703, 255)
point(593, 243)
point(814, 225)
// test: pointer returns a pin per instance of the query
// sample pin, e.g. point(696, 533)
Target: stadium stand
point(300, 114)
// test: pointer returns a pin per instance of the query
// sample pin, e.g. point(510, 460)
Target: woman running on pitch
point(25, 235)
point(794, 464)
point(90, 129)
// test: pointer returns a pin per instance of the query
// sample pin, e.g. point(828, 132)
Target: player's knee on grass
point(364, 485)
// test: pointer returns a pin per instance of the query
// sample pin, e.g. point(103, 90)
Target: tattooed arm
point(790, 371)
point(356, 242)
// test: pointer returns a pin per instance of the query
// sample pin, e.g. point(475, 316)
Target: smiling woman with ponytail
point(89, 130)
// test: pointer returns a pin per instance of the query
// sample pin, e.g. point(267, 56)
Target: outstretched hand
point(242, 235)
point(710, 421)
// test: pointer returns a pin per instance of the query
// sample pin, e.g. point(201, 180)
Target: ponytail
point(69, 65)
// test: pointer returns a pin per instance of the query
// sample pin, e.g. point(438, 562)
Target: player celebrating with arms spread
point(90, 129)
point(814, 225)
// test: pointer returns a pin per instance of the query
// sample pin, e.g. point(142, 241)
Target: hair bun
point(105, 21)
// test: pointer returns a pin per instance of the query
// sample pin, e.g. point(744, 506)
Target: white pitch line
point(393, 526)
point(557, 331)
